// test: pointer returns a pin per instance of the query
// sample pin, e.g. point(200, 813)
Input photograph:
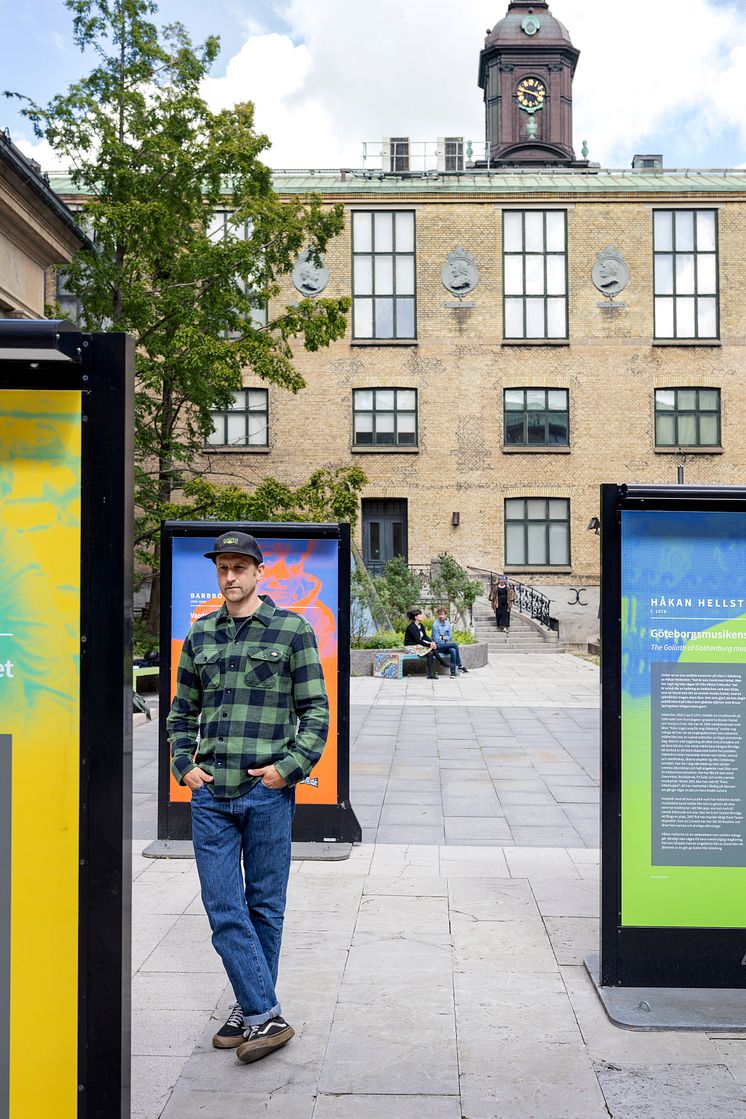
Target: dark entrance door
point(384, 533)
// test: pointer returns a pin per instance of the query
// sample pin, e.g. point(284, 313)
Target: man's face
point(441, 615)
point(237, 578)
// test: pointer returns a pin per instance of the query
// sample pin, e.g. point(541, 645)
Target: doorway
point(384, 532)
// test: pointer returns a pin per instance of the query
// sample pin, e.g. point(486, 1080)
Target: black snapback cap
point(241, 543)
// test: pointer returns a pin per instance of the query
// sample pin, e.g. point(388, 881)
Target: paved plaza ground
point(437, 973)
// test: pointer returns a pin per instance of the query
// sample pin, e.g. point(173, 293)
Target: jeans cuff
point(260, 1019)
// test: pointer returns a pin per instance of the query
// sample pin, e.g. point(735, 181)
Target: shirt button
point(220, 740)
point(225, 714)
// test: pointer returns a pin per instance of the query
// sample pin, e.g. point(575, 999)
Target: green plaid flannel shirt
point(257, 699)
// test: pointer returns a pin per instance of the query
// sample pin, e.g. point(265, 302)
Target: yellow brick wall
point(460, 367)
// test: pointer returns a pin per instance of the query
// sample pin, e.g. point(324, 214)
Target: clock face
point(531, 93)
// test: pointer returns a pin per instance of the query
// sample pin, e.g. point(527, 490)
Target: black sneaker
point(232, 1033)
point(261, 1040)
point(462, 669)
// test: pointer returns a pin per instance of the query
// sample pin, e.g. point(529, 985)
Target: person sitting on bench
point(443, 638)
point(417, 635)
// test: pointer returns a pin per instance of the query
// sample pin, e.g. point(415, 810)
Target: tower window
point(383, 274)
point(535, 273)
point(685, 244)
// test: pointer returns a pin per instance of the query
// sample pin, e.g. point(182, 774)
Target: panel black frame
point(636, 956)
point(104, 376)
point(312, 823)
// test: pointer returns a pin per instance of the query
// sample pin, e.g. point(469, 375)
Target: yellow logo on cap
point(230, 540)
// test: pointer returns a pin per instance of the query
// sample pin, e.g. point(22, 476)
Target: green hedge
point(395, 640)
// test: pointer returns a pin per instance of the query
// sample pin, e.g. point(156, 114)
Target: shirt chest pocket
point(208, 665)
point(264, 667)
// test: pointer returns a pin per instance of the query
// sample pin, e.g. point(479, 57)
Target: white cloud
point(359, 71)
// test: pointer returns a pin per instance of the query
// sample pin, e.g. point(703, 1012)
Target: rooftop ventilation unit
point(647, 163)
point(395, 153)
point(450, 153)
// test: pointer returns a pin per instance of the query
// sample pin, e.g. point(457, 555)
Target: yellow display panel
point(40, 545)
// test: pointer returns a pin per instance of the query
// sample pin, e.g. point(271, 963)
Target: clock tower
point(526, 71)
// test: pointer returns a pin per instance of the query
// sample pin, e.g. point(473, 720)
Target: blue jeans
point(452, 648)
point(246, 910)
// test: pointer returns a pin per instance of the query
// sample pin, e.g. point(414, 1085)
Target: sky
point(328, 75)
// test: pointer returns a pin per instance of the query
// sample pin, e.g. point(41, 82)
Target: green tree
point(399, 590)
point(454, 589)
point(153, 164)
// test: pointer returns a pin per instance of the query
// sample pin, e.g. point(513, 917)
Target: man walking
point(250, 683)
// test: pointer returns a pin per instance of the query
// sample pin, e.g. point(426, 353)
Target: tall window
point(385, 417)
point(245, 423)
point(687, 417)
point(537, 532)
point(536, 417)
point(535, 273)
point(686, 273)
point(222, 226)
point(383, 283)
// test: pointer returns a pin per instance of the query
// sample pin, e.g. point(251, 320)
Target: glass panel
point(558, 509)
point(361, 233)
point(685, 318)
point(363, 399)
point(216, 226)
point(385, 400)
point(557, 423)
point(665, 430)
point(555, 275)
point(405, 275)
point(397, 538)
point(663, 275)
point(556, 318)
point(514, 428)
point(708, 320)
point(384, 318)
point(362, 275)
point(534, 275)
point(513, 275)
point(514, 510)
point(236, 429)
point(687, 399)
point(384, 275)
point(406, 400)
point(708, 431)
point(555, 231)
point(663, 231)
point(383, 227)
point(514, 399)
point(537, 543)
point(684, 224)
point(363, 422)
point(514, 318)
point(512, 232)
point(706, 231)
point(258, 431)
point(405, 318)
point(258, 400)
point(534, 232)
point(385, 421)
point(536, 508)
point(709, 398)
point(363, 318)
point(536, 398)
point(557, 398)
point(665, 399)
point(706, 275)
point(664, 318)
point(685, 274)
point(374, 537)
point(534, 318)
point(404, 233)
point(536, 427)
point(216, 436)
point(687, 430)
point(514, 544)
point(406, 422)
point(559, 544)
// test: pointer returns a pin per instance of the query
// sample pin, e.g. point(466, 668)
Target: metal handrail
point(527, 599)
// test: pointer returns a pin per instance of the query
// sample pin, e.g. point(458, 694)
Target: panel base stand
point(312, 852)
point(670, 1008)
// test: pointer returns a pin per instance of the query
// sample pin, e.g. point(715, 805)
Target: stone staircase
point(524, 636)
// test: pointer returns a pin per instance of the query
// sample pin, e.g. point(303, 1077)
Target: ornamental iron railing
point(528, 601)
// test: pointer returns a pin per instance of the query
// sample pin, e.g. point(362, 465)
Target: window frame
point(697, 413)
point(696, 253)
point(525, 413)
point(547, 521)
point(545, 337)
point(394, 337)
point(242, 232)
point(396, 411)
point(247, 411)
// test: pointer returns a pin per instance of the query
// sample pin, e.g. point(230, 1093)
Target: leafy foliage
point(454, 589)
point(399, 590)
point(394, 639)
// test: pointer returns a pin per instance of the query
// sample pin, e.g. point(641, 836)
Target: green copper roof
point(359, 184)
